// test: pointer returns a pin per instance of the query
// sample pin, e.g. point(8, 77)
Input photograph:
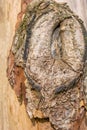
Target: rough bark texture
point(9, 102)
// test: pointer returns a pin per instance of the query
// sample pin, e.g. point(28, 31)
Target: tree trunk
point(13, 116)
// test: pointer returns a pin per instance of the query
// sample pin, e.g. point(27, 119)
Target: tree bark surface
point(13, 116)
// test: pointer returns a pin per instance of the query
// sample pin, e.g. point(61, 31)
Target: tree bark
point(13, 116)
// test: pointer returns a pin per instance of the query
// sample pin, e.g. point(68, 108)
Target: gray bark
point(12, 115)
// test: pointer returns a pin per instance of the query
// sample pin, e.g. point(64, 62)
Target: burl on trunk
point(46, 64)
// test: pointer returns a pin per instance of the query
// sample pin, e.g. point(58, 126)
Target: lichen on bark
point(49, 47)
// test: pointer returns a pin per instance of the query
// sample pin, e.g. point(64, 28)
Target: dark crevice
point(29, 33)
